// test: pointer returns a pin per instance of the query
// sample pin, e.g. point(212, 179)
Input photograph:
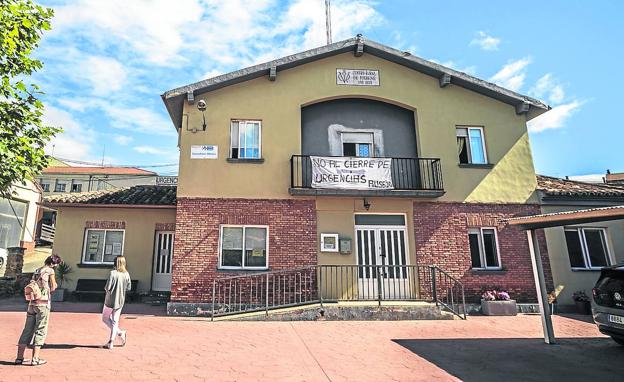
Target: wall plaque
point(357, 77)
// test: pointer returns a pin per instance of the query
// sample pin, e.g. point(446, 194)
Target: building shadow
point(133, 308)
point(578, 317)
point(522, 359)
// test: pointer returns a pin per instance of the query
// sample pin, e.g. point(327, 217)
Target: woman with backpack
point(38, 293)
point(116, 287)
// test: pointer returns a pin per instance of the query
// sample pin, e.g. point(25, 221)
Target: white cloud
point(152, 28)
point(162, 154)
point(512, 75)
point(73, 104)
point(547, 86)
point(104, 74)
point(75, 142)
point(165, 32)
point(589, 178)
point(555, 118)
point(485, 41)
point(150, 150)
point(472, 70)
point(122, 140)
point(138, 119)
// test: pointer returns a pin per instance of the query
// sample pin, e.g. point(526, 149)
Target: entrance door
point(163, 249)
point(381, 249)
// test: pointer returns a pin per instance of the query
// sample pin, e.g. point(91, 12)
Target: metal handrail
point(267, 290)
point(450, 300)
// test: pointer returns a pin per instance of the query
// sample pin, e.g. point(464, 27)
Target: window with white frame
point(484, 248)
point(587, 247)
point(245, 139)
point(60, 187)
point(45, 186)
point(471, 145)
point(357, 144)
point(102, 246)
point(244, 247)
point(76, 187)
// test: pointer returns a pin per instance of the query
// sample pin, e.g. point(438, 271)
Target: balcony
point(411, 177)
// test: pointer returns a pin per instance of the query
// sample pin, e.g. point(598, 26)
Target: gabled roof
point(572, 188)
point(97, 170)
point(174, 99)
point(145, 195)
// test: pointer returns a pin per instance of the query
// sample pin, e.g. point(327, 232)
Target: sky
point(107, 62)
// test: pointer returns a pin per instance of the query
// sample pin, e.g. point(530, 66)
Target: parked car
point(608, 302)
point(3, 260)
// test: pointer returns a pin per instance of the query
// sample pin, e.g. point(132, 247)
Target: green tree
point(23, 135)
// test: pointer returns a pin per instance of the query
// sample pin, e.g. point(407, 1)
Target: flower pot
point(583, 307)
point(58, 295)
point(499, 308)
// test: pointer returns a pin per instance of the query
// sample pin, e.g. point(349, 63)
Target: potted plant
point(581, 300)
point(498, 303)
point(61, 271)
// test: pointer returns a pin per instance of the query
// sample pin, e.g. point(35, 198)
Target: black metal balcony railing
point(419, 174)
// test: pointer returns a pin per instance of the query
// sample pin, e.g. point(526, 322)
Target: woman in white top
point(116, 286)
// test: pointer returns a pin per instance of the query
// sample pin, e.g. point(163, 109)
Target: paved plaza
point(194, 349)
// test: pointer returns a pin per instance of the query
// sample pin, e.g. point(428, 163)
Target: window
point(587, 248)
point(60, 187)
point(244, 247)
point(471, 145)
point(245, 140)
point(357, 144)
point(12, 217)
point(76, 187)
point(102, 245)
point(484, 248)
point(45, 186)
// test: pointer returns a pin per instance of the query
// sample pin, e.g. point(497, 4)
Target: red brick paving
point(190, 349)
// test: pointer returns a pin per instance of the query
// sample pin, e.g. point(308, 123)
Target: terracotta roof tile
point(563, 187)
point(137, 195)
point(97, 170)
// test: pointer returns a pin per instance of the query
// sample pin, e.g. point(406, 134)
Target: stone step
point(348, 312)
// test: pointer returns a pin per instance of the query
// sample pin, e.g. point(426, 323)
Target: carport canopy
point(557, 219)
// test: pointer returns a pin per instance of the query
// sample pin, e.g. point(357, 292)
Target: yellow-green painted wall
point(562, 272)
point(337, 215)
point(138, 240)
point(278, 104)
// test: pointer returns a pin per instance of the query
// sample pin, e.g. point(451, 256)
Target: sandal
point(38, 362)
point(108, 345)
point(19, 361)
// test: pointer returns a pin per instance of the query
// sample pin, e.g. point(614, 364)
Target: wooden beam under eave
point(445, 80)
point(522, 108)
point(359, 49)
point(190, 98)
point(272, 73)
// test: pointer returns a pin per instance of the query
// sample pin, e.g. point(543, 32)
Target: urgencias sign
point(350, 173)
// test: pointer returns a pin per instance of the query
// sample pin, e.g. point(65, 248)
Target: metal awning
point(557, 219)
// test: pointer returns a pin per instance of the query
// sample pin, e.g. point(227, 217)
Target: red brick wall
point(292, 239)
point(441, 237)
